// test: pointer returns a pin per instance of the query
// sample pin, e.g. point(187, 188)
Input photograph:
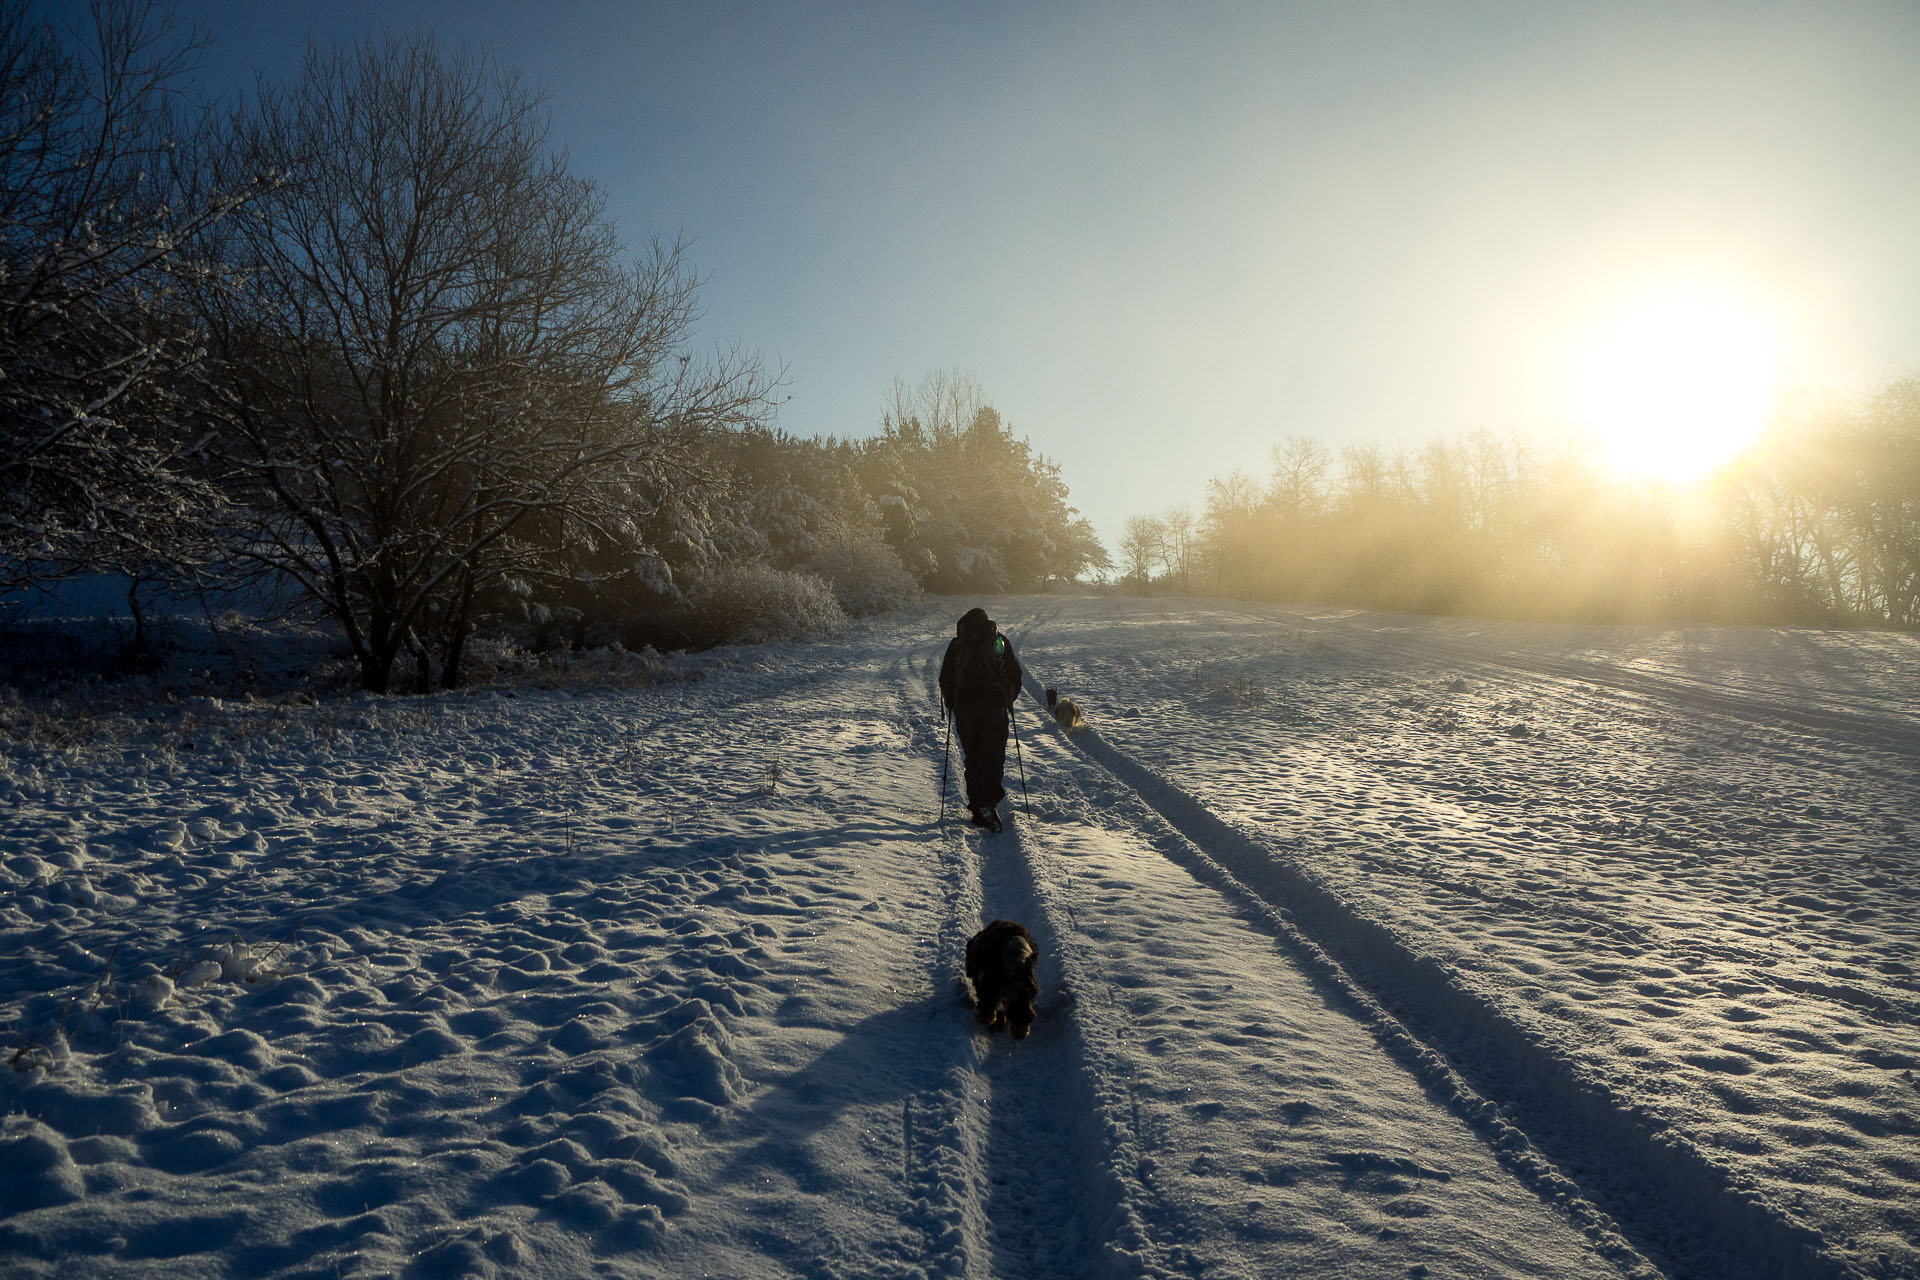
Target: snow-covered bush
point(496, 660)
point(866, 574)
point(755, 604)
point(1217, 682)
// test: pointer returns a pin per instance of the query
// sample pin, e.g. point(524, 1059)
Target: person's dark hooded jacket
point(979, 681)
point(980, 666)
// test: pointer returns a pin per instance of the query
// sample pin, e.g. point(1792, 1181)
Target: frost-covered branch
point(446, 368)
point(100, 202)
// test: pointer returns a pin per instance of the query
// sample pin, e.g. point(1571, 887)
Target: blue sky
point(1165, 236)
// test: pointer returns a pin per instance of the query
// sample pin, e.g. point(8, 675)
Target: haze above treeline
point(1817, 523)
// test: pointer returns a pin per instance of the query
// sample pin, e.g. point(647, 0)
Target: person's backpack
point(979, 666)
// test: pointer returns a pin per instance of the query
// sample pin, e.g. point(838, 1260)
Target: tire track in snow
point(1355, 1117)
point(941, 1124)
point(1538, 1113)
point(1051, 1204)
point(1026, 1144)
point(1885, 1002)
point(1838, 743)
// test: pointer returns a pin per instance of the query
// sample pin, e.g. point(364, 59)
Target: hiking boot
point(990, 819)
point(978, 818)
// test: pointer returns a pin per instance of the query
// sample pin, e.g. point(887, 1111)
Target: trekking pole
point(946, 715)
point(1019, 759)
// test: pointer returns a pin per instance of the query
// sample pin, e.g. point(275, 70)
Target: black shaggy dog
point(1000, 960)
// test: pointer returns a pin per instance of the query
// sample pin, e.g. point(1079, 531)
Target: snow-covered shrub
point(46, 722)
point(496, 659)
point(866, 574)
point(1216, 682)
point(755, 604)
point(610, 664)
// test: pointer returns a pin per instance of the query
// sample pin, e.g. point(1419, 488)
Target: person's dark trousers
point(982, 729)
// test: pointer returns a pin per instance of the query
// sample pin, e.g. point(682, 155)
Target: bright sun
point(1676, 380)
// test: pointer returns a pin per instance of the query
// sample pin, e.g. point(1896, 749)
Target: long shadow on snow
point(880, 1062)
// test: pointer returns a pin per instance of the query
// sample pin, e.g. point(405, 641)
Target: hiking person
point(979, 681)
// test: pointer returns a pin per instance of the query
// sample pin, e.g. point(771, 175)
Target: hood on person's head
point(973, 622)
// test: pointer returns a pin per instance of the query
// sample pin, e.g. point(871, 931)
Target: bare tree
point(1177, 529)
point(943, 404)
point(1140, 548)
point(1231, 529)
point(1299, 473)
point(99, 201)
point(1884, 508)
point(448, 377)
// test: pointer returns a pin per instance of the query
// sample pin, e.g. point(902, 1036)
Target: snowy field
point(1371, 946)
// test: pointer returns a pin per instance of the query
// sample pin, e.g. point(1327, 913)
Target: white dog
point(1066, 711)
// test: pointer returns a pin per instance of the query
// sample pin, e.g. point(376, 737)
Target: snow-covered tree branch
point(100, 202)
point(448, 373)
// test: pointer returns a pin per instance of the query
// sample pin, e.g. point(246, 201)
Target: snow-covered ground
point(1371, 946)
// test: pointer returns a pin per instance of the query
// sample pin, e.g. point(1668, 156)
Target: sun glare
point(1677, 380)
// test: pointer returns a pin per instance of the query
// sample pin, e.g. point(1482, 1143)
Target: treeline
point(946, 487)
point(367, 340)
point(1817, 524)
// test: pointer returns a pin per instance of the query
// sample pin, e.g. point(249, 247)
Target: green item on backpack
point(980, 669)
